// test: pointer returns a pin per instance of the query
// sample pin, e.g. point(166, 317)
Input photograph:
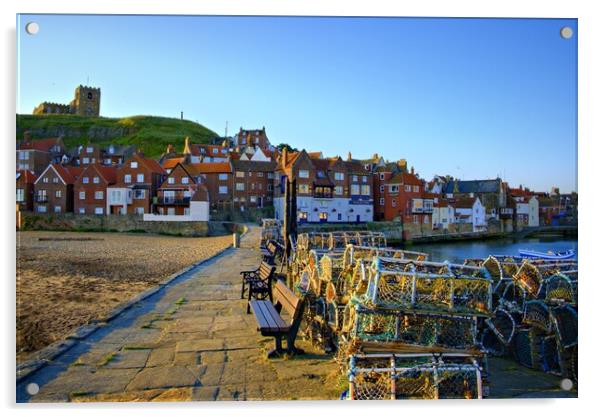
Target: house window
point(184, 180)
point(171, 211)
point(382, 201)
point(323, 216)
point(55, 180)
point(338, 190)
point(171, 180)
point(270, 187)
point(395, 188)
point(253, 199)
point(127, 178)
point(223, 189)
point(382, 188)
point(253, 186)
point(355, 189)
point(354, 178)
point(394, 202)
point(98, 210)
point(41, 209)
point(339, 176)
point(270, 175)
point(89, 149)
point(85, 180)
point(240, 186)
point(82, 195)
point(240, 174)
point(139, 210)
point(365, 190)
point(99, 195)
point(302, 215)
point(96, 180)
point(23, 155)
point(303, 173)
point(260, 174)
point(134, 164)
point(140, 178)
point(20, 195)
point(139, 194)
point(408, 188)
point(416, 189)
point(86, 160)
point(57, 209)
point(382, 176)
point(303, 188)
point(58, 193)
point(82, 210)
point(364, 179)
point(222, 177)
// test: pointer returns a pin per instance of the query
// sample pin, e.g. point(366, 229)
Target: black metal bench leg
point(250, 289)
point(290, 346)
point(277, 351)
point(242, 290)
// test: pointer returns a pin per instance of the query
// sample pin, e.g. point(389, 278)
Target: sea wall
point(122, 223)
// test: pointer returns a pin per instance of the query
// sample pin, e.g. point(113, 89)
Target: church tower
point(86, 101)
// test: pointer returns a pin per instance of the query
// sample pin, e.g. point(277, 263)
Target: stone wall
point(250, 215)
point(123, 223)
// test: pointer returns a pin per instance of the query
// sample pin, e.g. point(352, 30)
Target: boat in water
point(533, 254)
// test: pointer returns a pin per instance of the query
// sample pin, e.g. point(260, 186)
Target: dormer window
point(184, 180)
point(171, 180)
point(89, 149)
point(134, 164)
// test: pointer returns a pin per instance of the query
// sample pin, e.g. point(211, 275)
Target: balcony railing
point(174, 201)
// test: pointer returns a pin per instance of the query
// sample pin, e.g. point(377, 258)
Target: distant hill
point(150, 133)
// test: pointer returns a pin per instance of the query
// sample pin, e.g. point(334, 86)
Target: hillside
point(150, 133)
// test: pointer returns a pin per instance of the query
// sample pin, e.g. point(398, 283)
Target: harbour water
point(458, 251)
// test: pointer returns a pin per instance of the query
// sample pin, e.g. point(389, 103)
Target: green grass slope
point(150, 133)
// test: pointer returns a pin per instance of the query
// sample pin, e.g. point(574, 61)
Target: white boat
point(526, 253)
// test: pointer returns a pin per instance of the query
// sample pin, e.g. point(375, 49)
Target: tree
point(288, 147)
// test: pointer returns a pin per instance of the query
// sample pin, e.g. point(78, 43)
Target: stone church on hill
point(85, 103)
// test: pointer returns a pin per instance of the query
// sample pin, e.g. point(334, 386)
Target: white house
point(471, 210)
point(444, 214)
point(533, 212)
point(198, 210)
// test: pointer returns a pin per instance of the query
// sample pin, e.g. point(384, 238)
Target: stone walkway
point(190, 341)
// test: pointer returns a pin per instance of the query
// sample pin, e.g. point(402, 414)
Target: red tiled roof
point(108, 173)
point(211, 167)
point(405, 178)
point(172, 162)
point(65, 173)
point(464, 202)
point(29, 176)
point(153, 165)
point(40, 144)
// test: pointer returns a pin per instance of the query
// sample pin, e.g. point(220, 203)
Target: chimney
point(169, 148)
point(349, 156)
point(412, 170)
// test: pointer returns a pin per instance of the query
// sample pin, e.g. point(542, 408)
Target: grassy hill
point(150, 133)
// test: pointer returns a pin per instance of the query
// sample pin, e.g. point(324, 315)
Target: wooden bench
point(271, 323)
point(257, 283)
point(271, 251)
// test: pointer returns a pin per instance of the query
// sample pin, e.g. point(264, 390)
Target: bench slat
point(269, 311)
point(267, 317)
point(285, 297)
point(259, 316)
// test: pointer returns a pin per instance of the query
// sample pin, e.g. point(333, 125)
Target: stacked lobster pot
point(270, 230)
point(422, 317)
point(535, 316)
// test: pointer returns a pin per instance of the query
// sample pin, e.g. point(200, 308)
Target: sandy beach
point(65, 279)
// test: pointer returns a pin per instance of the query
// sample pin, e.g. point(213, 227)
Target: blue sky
point(473, 98)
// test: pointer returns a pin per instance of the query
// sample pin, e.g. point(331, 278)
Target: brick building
point(35, 155)
point(253, 183)
point(136, 184)
point(217, 177)
point(175, 192)
point(25, 190)
point(54, 189)
point(90, 189)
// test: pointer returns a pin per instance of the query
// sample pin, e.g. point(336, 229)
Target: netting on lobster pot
point(529, 277)
point(513, 298)
point(331, 266)
point(526, 347)
point(537, 314)
point(458, 382)
point(419, 329)
point(564, 319)
point(559, 290)
point(550, 355)
point(503, 325)
point(509, 267)
point(491, 344)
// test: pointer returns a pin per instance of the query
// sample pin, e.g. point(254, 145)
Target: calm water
point(458, 251)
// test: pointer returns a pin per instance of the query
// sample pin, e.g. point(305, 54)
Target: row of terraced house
point(247, 171)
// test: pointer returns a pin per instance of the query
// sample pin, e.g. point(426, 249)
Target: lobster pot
point(529, 278)
point(331, 266)
point(571, 363)
point(564, 319)
point(550, 355)
point(513, 298)
point(503, 325)
point(491, 344)
point(527, 347)
point(411, 290)
point(493, 266)
point(418, 329)
point(335, 313)
point(559, 290)
point(413, 376)
point(537, 314)
point(509, 267)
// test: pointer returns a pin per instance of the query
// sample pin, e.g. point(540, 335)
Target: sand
point(65, 280)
